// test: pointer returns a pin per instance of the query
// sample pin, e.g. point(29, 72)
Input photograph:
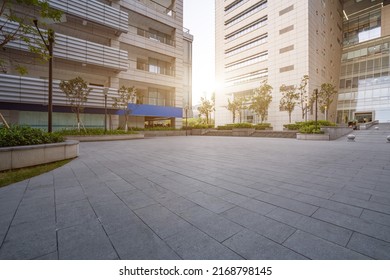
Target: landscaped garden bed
point(23, 146)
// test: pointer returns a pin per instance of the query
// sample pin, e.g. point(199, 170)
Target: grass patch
point(16, 175)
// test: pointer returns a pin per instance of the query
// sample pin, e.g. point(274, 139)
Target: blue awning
point(154, 111)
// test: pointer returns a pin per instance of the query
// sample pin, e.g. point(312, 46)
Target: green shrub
point(230, 126)
point(262, 126)
point(300, 125)
point(92, 131)
point(24, 135)
point(225, 127)
point(310, 129)
point(319, 122)
point(199, 126)
point(292, 126)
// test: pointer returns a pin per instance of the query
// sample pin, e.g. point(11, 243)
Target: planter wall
point(24, 156)
point(242, 131)
point(321, 137)
point(335, 132)
point(158, 133)
point(93, 138)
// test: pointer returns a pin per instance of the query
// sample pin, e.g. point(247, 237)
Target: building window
point(247, 13)
point(286, 49)
point(286, 10)
point(286, 68)
point(247, 61)
point(286, 29)
point(247, 45)
point(246, 29)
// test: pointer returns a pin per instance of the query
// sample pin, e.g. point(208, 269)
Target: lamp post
point(105, 92)
point(316, 117)
point(49, 47)
point(326, 112)
point(186, 111)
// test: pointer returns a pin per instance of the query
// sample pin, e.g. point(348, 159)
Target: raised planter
point(158, 133)
point(336, 132)
point(93, 138)
point(242, 131)
point(199, 131)
point(24, 156)
point(319, 137)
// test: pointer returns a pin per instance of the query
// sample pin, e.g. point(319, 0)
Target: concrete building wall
point(153, 33)
point(301, 38)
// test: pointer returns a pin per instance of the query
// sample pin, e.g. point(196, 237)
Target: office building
point(281, 41)
point(110, 44)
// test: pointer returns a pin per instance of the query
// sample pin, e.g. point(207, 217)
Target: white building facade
point(281, 41)
point(109, 44)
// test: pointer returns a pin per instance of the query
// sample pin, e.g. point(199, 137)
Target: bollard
point(351, 137)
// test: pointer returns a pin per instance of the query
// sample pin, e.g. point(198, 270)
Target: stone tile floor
point(204, 198)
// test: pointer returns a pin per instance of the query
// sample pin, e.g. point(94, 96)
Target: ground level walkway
point(205, 198)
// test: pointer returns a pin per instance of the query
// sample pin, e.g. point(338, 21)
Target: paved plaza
point(205, 198)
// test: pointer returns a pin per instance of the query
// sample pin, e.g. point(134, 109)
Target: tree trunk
point(289, 117)
point(78, 120)
point(126, 127)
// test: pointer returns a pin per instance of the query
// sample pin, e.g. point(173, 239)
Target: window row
point(368, 51)
point(242, 63)
point(366, 66)
point(158, 97)
point(234, 5)
point(247, 13)
point(366, 81)
point(362, 28)
point(247, 78)
point(262, 40)
point(156, 66)
point(156, 36)
point(246, 29)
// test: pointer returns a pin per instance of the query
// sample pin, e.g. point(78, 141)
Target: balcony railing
point(155, 37)
point(17, 89)
point(155, 69)
point(93, 11)
point(158, 7)
point(75, 49)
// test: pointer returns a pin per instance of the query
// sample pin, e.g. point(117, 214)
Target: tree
point(18, 26)
point(304, 99)
point(205, 108)
point(126, 95)
point(76, 91)
point(236, 106)
point(288, 100)
point(326, 94)
point(261, 100)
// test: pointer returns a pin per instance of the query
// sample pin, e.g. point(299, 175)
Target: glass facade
point(364, 90)
point(362, 28)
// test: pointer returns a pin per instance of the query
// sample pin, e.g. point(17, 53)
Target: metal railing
point(155, 37)
point(74, 49)
point(158, 7)
point(155, 69)
point(93, 11)
point(18, 89)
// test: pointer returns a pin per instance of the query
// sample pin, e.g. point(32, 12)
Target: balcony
point(17, 89)
point(74, 49)
point(155, 37)
point(158, 7)
point(152, 68)
point(93, 11)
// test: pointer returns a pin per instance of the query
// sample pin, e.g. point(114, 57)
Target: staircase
point(375, 134)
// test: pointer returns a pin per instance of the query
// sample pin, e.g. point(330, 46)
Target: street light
point(105, 92)
point(49, 47)
point(186, 111)
point(316, 94)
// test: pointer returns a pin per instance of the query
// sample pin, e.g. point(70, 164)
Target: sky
point(199, 19)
